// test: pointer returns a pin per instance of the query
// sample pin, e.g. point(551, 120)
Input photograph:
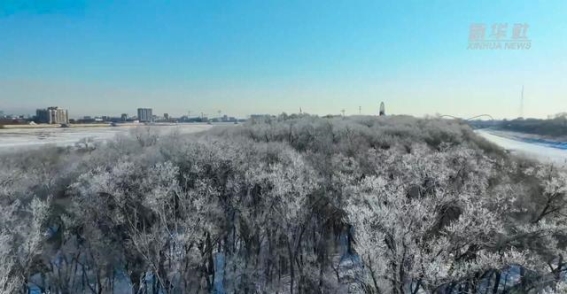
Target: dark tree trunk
point(135, 280)
point(496, 282)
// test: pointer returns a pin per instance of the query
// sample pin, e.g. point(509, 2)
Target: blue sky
point(242, 57)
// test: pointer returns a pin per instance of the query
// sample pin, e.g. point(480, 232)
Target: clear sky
point(103, 57)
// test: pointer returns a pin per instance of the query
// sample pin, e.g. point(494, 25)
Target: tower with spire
point(382, 109)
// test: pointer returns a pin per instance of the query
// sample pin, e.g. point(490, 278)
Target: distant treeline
point(552, 127)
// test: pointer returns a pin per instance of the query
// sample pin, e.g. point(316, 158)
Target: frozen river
point(541, 152)
point(11, 139)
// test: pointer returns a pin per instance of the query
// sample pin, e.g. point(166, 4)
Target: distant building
point(145, 115)
point(255, 116)
point(42, 116)
point(166, 116)
point(52, 115)
point(85, 120)
point(124, 117)
point(382, 109)
point(13, 121)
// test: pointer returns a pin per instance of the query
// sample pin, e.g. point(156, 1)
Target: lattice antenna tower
point(522, 103)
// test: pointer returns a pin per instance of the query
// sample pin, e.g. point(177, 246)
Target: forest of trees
point(293, 204)
point(553, 127)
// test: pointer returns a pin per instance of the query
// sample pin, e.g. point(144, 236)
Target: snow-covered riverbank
point(559, 143)
point(533, 149)
point(29, 138)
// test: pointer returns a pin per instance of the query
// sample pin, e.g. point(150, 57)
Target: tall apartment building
point(52, 115)
point(145, 115)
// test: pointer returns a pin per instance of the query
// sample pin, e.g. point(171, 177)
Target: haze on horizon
point(244, 57)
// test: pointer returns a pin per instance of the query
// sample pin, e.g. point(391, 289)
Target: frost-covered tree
point(289, 204)
point(427, 220)
point(22, 234)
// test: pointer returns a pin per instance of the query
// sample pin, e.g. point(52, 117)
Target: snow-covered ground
point(11, 139)
point(542, 152)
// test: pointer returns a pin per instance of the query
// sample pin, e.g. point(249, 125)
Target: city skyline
point(110, 57)
point(189, 113)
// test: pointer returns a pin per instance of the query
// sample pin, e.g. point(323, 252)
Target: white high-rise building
point(52, 115)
